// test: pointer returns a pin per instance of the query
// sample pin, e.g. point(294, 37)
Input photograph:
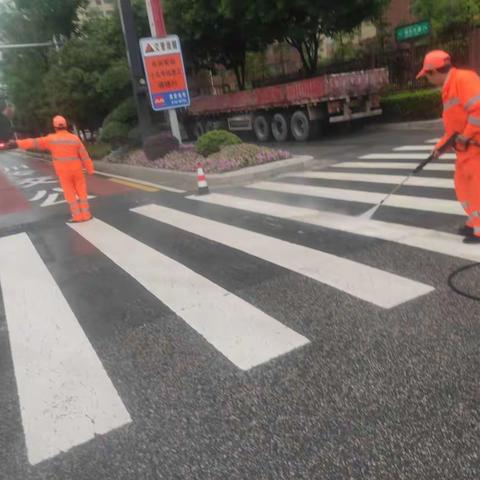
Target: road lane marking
point(423, 238)
point(400, 201)
point(372, 178)
point(373, 285)
point(432, 167)
point(242, 333)
point(141, 182)
point(66, 396)
point(135, 185)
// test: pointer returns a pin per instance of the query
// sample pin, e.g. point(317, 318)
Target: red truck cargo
point(296, 109)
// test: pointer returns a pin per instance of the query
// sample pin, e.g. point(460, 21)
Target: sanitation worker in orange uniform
point(69, 157)
point(461, 115)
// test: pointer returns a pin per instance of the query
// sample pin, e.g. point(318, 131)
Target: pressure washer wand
point(448, 144)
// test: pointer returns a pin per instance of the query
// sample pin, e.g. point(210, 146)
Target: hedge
point(98, 150)
point(417, 105)
point(213, 141)
point(115, 133)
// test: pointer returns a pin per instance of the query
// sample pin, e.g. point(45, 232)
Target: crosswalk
point(65, 393)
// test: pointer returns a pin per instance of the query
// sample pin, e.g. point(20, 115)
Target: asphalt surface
point(374, 392)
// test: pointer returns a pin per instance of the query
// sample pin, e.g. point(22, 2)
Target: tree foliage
point(86, 79)
point(302, 23)
point(218, 32)
point(449, 18)
point(26, 21)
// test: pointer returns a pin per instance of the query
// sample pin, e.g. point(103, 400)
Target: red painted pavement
point(11, 199)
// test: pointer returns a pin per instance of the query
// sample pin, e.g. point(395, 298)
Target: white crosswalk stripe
point(66, 397)
point(370, 284)
point(244, 334)
point(403, 156)
point(398, 201)
point(423, 238)
point(432, 167)
point(414, 148)
point(372, 178)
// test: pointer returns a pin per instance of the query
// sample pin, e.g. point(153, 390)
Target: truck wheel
point(280, 127)
point(261, 128)
point(301, 126)
point(198, 129)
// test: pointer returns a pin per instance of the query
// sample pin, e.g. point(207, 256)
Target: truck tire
point(198, 129)
point(262, 128)
point(301, 126)
point(280, 127)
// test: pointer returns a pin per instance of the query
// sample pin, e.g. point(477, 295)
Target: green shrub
point(125, 113)
point(98, 150)
point(213, 141)
point(158, 145)
point(417, 105)
point(135, 137)
point(115, 133)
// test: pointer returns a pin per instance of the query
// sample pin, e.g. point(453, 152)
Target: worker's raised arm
point(40, 143)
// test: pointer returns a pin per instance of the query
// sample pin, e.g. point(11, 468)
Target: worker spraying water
point(461, 117)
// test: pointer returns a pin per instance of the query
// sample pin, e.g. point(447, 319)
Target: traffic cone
point(202, 181)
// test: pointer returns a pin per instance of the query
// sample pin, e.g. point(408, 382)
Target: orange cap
point(433, 61)
point(59, 122)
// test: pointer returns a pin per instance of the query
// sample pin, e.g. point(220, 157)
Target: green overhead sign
point(413, 31)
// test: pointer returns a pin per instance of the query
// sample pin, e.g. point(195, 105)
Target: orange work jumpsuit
point(69, 157)
point(461, 114)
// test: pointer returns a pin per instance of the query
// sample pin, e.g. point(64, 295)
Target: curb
point(188, 181)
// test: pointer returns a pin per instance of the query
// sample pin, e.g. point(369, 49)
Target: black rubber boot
point(472, 239)
point(466, 231)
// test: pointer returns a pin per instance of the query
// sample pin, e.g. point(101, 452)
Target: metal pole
point(25, 45)
point(157, 28)
point(136, 67)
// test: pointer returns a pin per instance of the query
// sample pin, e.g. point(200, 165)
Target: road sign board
point(165, 70)
point(406, 33)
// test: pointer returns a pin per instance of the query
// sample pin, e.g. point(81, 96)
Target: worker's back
point(68, 151)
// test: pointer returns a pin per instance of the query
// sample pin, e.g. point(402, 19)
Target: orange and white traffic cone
point(202, 181)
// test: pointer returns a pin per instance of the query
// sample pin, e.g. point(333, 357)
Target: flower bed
point(185, 159)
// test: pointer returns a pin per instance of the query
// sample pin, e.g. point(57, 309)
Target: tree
point(217, 32)
point(448, 18)
point(86, 79)
point(26, 21)
point(89, 76)
point(302, 23)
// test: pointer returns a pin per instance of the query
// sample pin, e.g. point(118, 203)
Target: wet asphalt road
point(373, 393)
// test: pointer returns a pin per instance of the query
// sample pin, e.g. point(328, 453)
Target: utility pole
point(158, 30)
point(136, 67)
